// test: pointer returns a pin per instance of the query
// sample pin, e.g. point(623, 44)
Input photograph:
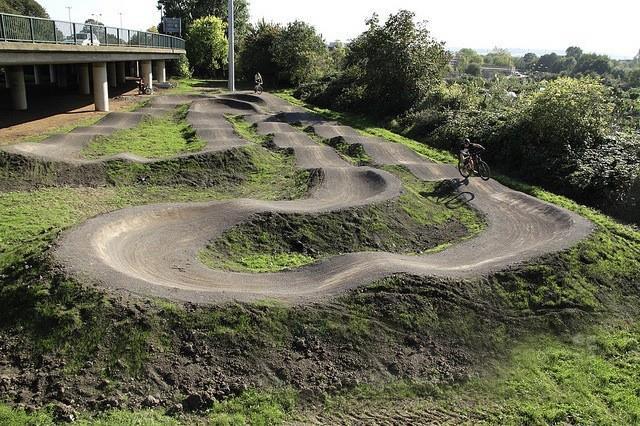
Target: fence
point(39, 30)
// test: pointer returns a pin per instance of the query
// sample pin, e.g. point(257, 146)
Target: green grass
point(255, 408)
point(367, 127)
point(153, 138)
point(186, 86)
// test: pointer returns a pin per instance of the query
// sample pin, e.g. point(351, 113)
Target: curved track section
point(152, 250)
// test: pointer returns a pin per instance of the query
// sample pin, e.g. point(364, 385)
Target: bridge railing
point(39, 30)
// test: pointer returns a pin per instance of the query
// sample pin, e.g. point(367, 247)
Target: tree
point(396, 64)
point(548, 62)
point(499, 58)
point(300, 54)
point(256, 54)
point(574, 52)
point(190, 10)
point(569, 115)
point(207, 46)
point(590, 63)
point(465, 57)
point(338, 52)
point(152, 29)
point(528, 62)
point(473, 69)
point(23, 7)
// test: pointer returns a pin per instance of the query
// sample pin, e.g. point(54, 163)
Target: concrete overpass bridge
point(95, 57)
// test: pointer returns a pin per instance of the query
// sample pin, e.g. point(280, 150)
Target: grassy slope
point(162, 137)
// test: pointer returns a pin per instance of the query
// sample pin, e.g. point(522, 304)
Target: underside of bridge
point(86, 69)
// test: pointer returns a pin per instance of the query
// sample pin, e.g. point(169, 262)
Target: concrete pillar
point(137, 68)
point(18, 89)
point(111, 74)
point(147, 76)
point(160, 71)
point(85, 87)
point(36, 75)
point(100, 86)
point(52, 73)
point(6, 78)
point(61, 76)
point(122, 79)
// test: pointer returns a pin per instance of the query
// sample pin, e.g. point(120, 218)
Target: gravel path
point(152, 250)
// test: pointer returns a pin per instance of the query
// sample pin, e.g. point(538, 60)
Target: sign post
point(232, 70)
point(172, 26)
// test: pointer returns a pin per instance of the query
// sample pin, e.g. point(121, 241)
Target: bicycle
point(143, 88)
point(258, 89)
point(472, 163)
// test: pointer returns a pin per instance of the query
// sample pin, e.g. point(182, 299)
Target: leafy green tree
point(499, 58)
point(634, 77)
point(396, 64)
point(23, 7)
point(528, 62)
point(256, 54)
point(300, 54)
point(548, 62)
point(473, 69)
point(207, 45)
point(467, 56)
point(590, 63)
point(338, 52)
point(574, 52)
point(568, 117)
point(190, 10)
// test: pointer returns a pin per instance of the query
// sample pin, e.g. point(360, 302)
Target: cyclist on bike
point(258, 80)
point(469, 151)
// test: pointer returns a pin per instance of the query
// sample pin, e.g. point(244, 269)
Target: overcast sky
point(606, 27)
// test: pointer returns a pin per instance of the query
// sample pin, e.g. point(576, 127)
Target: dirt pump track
point(153, 250)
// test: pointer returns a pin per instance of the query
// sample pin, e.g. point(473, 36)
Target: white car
point(85, 39)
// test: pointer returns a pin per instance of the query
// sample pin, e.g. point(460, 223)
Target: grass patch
point(153, 138)
point(185, 86)
point(254, 408)
point(418, 222)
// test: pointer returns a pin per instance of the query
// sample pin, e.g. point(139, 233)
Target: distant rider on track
point(258, 80)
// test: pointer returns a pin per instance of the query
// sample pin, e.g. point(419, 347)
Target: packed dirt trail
point(153, 250)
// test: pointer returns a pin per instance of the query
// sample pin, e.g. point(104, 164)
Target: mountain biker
point(258, 79)
point(469, 151)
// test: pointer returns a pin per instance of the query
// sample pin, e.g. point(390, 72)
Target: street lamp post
point(69, 10)
point(232, 70)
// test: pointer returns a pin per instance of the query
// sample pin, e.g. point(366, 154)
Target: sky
point(609, 27)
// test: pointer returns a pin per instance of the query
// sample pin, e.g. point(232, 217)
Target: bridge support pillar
point(7, 85)
point(160, 71)
point(120, 73)
point(147, 76)
point(52, 74)
point(85, 88)
point(61, 76)
point(111, 74)
point(18, 90)
point(100, 86)
point(36, 75)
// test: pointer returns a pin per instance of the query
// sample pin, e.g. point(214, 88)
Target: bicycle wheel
point(484, 171)
point(463, 168)
point(147, 90)
point(259, 89)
